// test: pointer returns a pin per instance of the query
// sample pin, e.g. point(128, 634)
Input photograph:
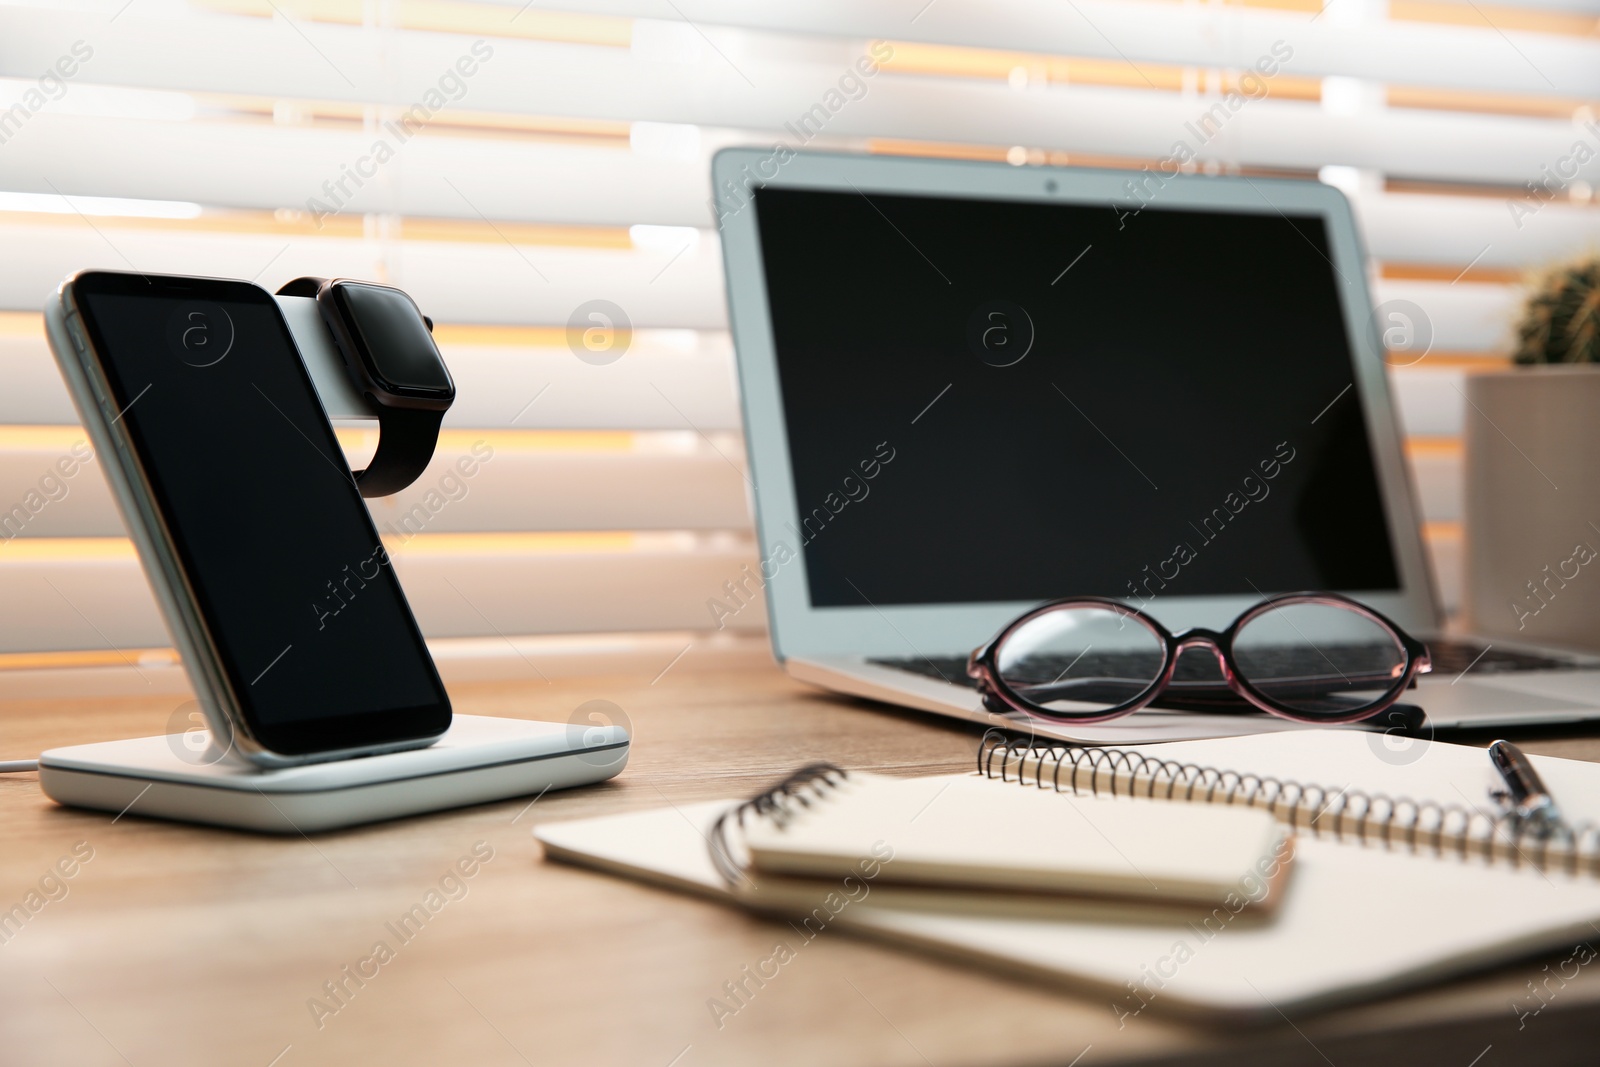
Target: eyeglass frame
point(983, 669)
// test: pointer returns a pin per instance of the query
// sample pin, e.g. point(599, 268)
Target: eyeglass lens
point(1080, 659)
point(1319, 658)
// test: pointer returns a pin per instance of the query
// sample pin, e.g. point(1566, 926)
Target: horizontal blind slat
point(1580, 7)
point(47, 488)
point(1511, 229)
point(497, 386)
point(45, 492)
point(266, 167)
point(488, 283)
point(454, 596)
point(1430, 401)
point(142, 49)
point(1438, 477)
point(52, 589)
point(1448, 560)
point(610, 83)
point(1464, 316)
point(480, 283)
point(1209, 35)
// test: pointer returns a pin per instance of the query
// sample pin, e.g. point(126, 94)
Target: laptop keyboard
point(1198, 667)
point(1453, 657)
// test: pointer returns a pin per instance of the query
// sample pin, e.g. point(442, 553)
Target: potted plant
point(1532, 459)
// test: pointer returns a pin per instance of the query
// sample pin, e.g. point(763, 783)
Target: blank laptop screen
point(1012, 401)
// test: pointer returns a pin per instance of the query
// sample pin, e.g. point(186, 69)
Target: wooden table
point(179, 945)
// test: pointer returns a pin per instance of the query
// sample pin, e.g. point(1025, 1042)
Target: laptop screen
point(1012, 401)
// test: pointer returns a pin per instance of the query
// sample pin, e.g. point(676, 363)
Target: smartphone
point(275, 585)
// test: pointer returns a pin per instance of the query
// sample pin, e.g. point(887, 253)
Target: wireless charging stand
point(182, 777)
point(479, 759)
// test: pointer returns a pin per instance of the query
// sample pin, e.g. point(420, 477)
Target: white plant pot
point(1532, 443)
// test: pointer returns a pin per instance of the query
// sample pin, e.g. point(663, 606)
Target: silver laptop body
point(971, 387)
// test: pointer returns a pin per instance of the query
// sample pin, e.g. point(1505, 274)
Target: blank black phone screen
point(292, 581)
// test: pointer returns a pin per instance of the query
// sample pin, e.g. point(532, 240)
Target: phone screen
point(292, 581)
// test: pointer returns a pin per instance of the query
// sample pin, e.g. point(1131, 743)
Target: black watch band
point(302, 287)
point(407, 432)
point(405, 445)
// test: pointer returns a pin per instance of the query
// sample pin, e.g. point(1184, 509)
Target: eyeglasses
point(1310, 657)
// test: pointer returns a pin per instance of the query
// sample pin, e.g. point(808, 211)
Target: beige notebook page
point(970, 831)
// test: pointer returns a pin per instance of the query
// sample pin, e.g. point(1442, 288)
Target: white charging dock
point(179, 776)
point(479, 759)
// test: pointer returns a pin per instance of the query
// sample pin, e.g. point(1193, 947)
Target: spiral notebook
point(1401, 875)
point(962, 833)
point(961, 845)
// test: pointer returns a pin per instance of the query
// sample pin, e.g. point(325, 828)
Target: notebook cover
point(1355, 922)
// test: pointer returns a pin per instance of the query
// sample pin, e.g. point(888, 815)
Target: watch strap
point(302, 287)
point(406, 436)
point(406, 439)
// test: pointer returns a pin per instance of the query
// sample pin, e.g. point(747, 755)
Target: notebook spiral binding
point(1370, 818)
point(780, 803)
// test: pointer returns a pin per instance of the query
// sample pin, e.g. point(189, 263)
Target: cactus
point(1561, 320)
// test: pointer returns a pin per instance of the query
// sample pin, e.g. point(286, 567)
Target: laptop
point(969, 388)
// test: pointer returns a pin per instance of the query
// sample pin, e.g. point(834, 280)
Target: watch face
point(393, 340)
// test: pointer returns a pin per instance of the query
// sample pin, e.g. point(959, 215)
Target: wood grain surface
point(180, 945)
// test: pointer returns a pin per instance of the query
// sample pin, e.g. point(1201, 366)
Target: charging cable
point(12, 765)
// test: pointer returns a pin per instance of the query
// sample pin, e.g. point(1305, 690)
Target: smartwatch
point(386, 345)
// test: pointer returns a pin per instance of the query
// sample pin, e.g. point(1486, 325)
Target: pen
point(1529, 801)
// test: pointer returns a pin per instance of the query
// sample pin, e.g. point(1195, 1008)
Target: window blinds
point(511, 165)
